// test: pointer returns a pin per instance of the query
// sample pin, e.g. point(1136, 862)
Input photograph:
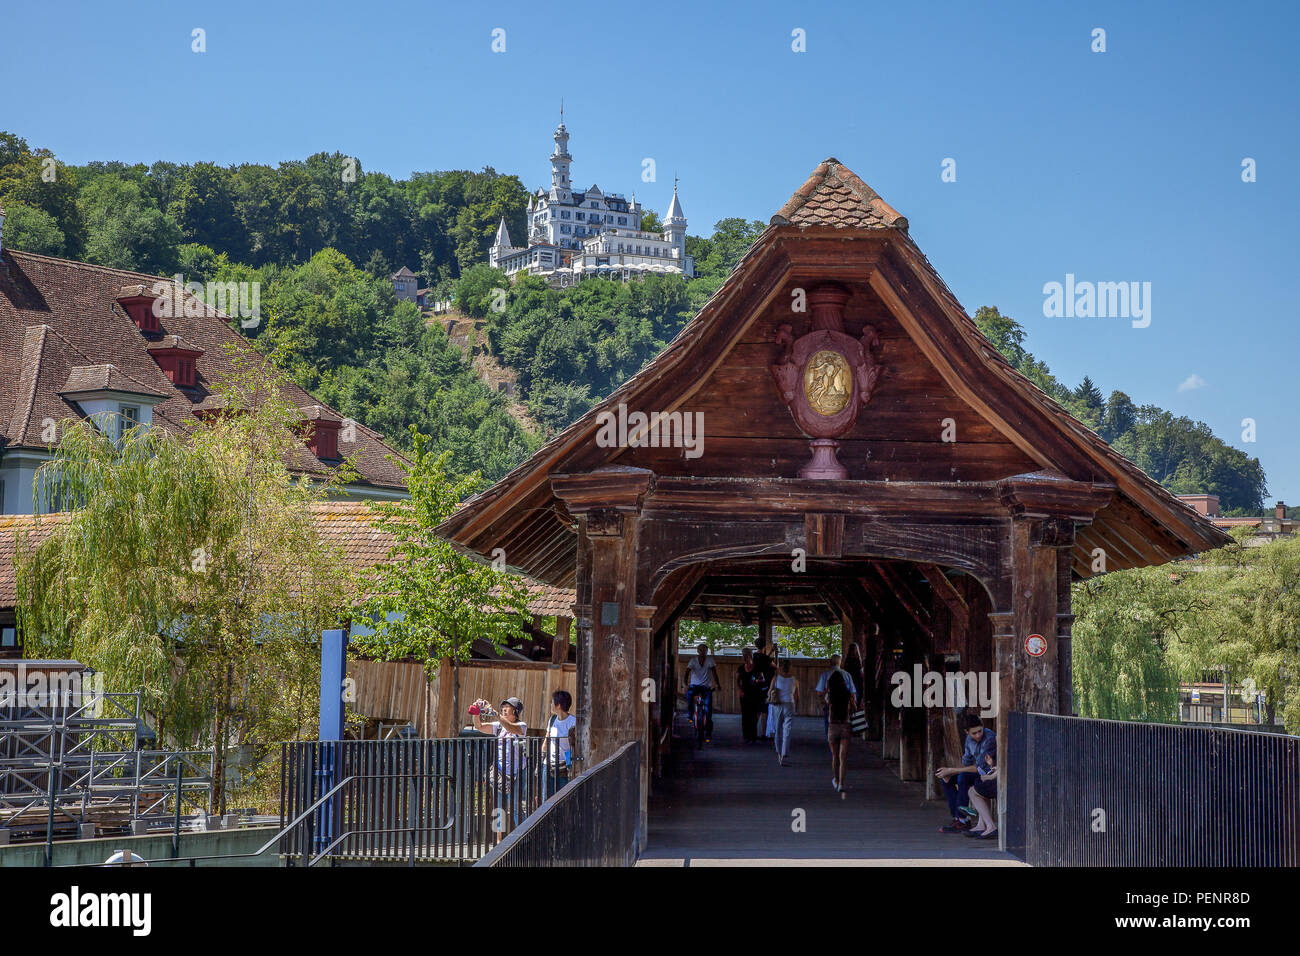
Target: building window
point(129, 418)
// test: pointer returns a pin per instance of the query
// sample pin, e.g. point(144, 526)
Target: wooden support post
point(911, 749)
point(607, 504)
point(560, 649)
point(934, 736)
point(643, 691)
point(1064, 623)
point(1004, 640)
point(891, 728)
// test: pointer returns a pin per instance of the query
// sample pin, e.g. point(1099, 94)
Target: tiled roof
point(104, 378)
point(33, 533)
point(350, 526)
point(172, 342)
point(834, 196)
point(58, 316)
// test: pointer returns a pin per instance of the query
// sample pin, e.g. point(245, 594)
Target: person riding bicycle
point(702, 681)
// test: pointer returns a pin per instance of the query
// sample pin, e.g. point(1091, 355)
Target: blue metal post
point(333, 670)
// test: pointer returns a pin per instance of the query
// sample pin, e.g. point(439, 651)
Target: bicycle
point(699, 717)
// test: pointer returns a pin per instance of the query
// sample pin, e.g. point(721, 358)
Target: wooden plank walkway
point(731, 804)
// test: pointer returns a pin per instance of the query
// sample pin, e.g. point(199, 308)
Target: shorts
point(988, 789)
point(837, 732)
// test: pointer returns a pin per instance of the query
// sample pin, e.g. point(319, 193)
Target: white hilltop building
point(573, 235)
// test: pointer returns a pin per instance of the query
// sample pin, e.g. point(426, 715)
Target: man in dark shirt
point(957, 781)
point(752, 683)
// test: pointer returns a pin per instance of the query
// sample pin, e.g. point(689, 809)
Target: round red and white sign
point(1035, 645)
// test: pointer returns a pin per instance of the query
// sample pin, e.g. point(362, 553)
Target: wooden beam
point(944, 590)
point(903, 593)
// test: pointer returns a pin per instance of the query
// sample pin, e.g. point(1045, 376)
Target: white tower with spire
point(501, 246)
point(560, 160)
point(675, 232)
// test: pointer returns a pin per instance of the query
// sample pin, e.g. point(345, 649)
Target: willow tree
point(1251, 627)
point(1125, 623)
point(427, 600)
point(190, 569)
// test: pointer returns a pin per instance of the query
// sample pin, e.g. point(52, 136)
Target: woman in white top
point(508, 726)
point(785, 700)
point(560, 732)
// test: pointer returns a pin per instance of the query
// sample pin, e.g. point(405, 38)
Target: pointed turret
point(503, 236)
point(501, 245)
point(675, 208)
point(675, 233)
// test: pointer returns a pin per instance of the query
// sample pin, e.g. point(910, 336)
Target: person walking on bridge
point(751, 682)
point(784, 697)
point(841, 699)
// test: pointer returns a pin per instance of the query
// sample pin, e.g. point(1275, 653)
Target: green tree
point(124, 230)
point(1125, 622)
point(427, 600)
point(191, 570)
point(33, 230)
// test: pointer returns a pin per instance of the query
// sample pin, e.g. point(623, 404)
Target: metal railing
point(594, 821)
point(1084, 792)
point(410, 801)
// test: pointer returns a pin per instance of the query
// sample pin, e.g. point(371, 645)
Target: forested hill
point(322, 236)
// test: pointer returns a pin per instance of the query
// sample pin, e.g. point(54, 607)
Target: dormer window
point(137, 301)
point(177, 359)
point(322, 432)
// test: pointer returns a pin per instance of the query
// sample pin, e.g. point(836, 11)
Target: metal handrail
point(288, 828)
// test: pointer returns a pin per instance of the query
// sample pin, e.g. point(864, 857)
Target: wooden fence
point(398, 691)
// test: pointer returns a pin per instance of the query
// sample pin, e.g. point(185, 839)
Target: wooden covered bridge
point(830, 440)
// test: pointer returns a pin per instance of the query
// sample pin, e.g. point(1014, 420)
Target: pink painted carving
point(825, 415)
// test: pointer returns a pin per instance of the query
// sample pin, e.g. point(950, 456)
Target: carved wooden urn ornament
point(825, 377)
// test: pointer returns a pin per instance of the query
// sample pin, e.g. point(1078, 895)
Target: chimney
point(2, 229)
point(1279, 511)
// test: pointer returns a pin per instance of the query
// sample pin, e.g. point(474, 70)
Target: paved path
point(731, 804)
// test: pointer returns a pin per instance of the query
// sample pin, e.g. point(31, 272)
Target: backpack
point(838, 696)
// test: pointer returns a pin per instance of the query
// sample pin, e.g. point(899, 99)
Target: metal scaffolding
point(87, 759)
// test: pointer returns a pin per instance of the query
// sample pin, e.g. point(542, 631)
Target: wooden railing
point(594, 821)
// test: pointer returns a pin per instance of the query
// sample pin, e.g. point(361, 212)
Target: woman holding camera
point(509, 729)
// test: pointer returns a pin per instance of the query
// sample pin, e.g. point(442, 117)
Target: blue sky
point(1115, 166)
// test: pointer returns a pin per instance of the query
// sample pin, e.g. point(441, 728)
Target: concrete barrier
point(156, 846)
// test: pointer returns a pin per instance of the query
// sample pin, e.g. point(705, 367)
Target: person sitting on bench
point(984, 790)
point(957, 781)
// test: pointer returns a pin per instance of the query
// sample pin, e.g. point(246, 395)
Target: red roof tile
point(350, 526)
